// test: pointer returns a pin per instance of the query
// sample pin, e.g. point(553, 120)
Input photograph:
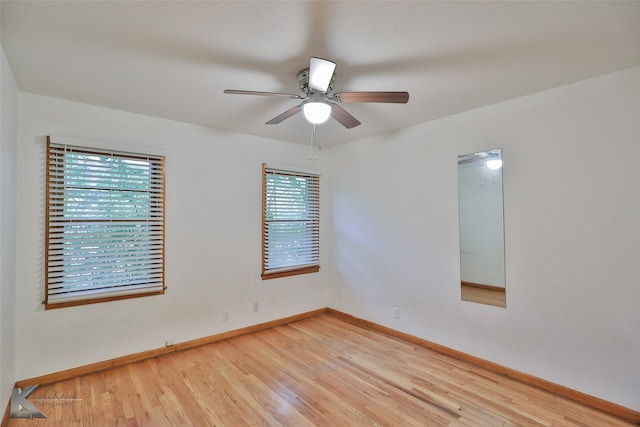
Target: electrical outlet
point(396, 312)
point(256, 307)
point(225, 315)
point(169, 343)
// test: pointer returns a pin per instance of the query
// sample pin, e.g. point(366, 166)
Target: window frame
point(153, 254)
point(314, 205)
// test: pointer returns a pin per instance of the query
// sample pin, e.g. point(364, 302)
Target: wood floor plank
point(320, 371)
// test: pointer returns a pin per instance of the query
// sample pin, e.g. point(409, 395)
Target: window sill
point(51, 306)
point(305, 270)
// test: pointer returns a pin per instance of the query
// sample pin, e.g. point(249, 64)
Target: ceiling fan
point(319, 102)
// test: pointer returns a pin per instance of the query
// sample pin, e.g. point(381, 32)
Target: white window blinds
point(291, 222)
point(105, 224)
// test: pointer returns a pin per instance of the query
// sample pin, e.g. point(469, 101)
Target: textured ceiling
point(173, 59)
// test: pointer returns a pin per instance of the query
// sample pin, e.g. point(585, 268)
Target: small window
point(290, 223)
point(104, 225)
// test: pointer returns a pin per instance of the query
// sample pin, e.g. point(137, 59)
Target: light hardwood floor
point(484, 296)
point(317, 371)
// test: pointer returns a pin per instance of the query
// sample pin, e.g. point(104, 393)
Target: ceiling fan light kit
point(318, 100)
point(316, 112)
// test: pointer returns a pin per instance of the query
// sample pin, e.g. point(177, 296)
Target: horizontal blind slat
point(90, 294)
point(105, 282)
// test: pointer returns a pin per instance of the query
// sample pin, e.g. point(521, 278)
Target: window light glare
point(316, 112)
point(494, 164)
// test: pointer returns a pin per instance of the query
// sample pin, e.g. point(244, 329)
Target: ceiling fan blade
point(253, 92)
point(343, 116)
point(390, 97)
point(320, 73)
point(290, 112)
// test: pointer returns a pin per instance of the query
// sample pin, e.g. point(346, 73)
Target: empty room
point(305, 213)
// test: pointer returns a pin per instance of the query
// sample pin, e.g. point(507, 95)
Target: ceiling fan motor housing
point(303, 82)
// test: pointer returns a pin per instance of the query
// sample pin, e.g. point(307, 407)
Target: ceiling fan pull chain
point(313, 153)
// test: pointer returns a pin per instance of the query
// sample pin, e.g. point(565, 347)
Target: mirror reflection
point(482, 270)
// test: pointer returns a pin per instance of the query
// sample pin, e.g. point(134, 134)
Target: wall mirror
point(480, 202)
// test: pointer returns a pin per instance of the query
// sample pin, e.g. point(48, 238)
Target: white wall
point(213, 259)
point(8, 148)
point(572, 229)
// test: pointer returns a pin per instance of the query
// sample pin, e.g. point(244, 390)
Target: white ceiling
point(173, 59)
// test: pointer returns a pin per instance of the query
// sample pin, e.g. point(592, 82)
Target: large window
point(104, 225)
point(291, 223)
